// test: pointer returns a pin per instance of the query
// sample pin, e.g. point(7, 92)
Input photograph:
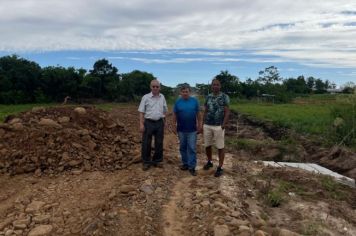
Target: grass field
point(310, 114)
point(6, 110)
point(309, 118)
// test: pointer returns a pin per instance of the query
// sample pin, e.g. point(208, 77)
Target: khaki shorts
point(214, 135)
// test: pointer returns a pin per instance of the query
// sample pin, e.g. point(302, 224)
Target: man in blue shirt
point(187, 118)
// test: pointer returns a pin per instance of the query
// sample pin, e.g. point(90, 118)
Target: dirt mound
point(52, 140)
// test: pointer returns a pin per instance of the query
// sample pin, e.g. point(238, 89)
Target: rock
point(41, 219)
point(9, 232)
point(2, 132)
point(80, 110)
point(74, 163)
point(21, 223)
point(259, 233)
point(14, 121)
point(257, 222)
point(146, 188)
point(49, 123)
point(18, 126)
point(35, 109)
point(77, 171)
point(92, 145)
point(41, 230)
point(221, 205)
point(205, 203)
point(286, 232)
point(221, 230)
point(127, 188)
point(34, 206)
point(6, 222)
point(244, 228)
point(63, 119)
point(18, 232)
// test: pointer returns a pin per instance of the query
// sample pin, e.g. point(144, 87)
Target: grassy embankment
point(306, 115)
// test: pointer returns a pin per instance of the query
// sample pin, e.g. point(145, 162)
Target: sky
point(186, 41)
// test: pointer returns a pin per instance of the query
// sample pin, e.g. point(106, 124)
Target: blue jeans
point(187, 148)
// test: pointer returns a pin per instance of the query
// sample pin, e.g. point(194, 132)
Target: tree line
point(24, 81)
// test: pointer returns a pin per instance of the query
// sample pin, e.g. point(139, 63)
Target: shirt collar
point(151, 94)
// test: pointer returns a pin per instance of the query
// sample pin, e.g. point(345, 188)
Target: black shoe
point(184, 167)
point(193, 172)
point(145, 167)
point(208, 165)
point(219, 171)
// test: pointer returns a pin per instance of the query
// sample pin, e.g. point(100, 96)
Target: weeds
point(332, 188)
point(274, 197)
point(312, 228)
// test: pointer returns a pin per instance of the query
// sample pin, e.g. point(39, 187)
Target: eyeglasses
point(155, 86)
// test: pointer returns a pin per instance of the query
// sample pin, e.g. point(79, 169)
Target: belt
point(151, 120)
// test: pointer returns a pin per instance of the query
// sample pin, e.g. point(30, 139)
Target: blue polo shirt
point(186, 112)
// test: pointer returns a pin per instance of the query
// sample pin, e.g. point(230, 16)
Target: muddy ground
point(78, 173)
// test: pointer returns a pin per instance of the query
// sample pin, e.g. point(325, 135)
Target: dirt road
point(249, 199)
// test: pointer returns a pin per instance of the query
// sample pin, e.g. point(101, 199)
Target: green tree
point(311, 83)
point(320, 86)
point(298, 86)
point(108, 76)
point(59, 82)
point(19, 78)
point(135, 84)
point(269, 75)
point(229, 83)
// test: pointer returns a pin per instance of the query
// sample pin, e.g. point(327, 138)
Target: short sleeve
point(197, 105)
point(141, 108)
point(165, 107)
point(227, 100)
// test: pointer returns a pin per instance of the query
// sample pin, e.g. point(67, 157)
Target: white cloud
point(312, 32)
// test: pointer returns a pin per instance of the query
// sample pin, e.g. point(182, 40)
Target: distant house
point(334, 90)
point(268, 97)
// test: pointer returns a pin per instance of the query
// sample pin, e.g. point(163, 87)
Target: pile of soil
point(53, 140)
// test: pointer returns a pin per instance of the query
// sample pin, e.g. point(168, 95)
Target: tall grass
point(305, 118)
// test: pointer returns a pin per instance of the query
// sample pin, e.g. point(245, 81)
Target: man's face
point(215, 86)
point(185, 93)
point(155, 88)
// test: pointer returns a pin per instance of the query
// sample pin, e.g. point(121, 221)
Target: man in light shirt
point(153, 109)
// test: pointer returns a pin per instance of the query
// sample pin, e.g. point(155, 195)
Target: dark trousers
point(156, 129)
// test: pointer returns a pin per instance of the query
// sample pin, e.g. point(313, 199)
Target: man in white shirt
point(153, 109)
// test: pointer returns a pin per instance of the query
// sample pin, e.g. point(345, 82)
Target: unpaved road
point(168, 201)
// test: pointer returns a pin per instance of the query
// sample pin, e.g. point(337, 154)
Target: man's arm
point(199, 122)
point(226, 116)
point(142, 120)
point(203, 118)
point(174, 118)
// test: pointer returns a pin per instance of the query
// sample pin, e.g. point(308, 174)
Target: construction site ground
point(96, 186)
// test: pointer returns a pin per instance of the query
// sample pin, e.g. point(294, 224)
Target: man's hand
point(142, 128)
point(200, 129)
